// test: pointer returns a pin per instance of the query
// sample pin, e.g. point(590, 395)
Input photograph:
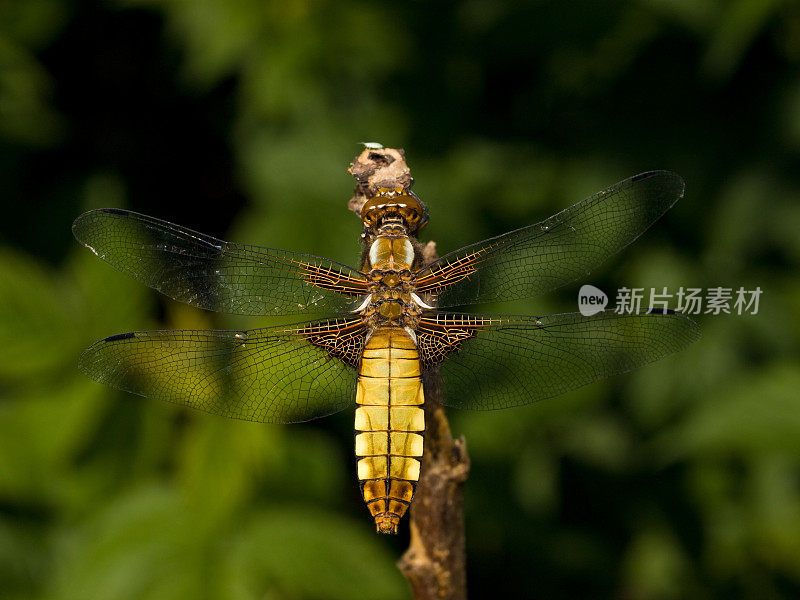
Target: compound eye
point(371, 218)
point(372, 208)
point(410, 215)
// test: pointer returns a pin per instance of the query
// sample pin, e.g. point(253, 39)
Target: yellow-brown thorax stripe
point(391, 253)
point(390, 423)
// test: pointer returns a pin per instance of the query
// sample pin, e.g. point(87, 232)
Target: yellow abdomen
point(390, 423)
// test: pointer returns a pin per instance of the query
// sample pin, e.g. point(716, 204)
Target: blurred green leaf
point(739, 23)
point(305, 553)
point(33, 22)
point(655, 566)
point(44, 430)
point(37, 330)
point(140, 545)
point(25, 112)
point(759, 414)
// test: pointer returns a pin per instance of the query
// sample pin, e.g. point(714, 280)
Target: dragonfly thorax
point(388, 263)
point(392, 298)
point(391, 253)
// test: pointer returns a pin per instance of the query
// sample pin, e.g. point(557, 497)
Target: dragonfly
point(385, 328)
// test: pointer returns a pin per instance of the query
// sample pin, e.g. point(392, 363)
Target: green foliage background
point(681, 480)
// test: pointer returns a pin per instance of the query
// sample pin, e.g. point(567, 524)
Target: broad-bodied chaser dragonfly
point(387, 327)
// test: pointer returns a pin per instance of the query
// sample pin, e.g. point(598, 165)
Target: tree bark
point(435, 562)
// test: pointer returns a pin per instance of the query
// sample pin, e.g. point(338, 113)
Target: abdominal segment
point(390, 424)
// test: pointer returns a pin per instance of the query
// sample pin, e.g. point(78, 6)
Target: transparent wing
point(489, 362)
point(276, 375)
point(541, 257)
point(213, 274)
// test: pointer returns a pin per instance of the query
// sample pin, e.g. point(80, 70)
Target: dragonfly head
point(395, 206)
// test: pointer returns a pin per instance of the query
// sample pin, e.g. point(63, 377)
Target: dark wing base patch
point(340, 338)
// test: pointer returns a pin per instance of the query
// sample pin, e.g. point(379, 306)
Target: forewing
point(541, 257)
point(216, 275)
point(489, 362)
point(276, 375)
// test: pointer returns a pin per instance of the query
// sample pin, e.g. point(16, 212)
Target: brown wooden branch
point(376, 168)
point(435, 562)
